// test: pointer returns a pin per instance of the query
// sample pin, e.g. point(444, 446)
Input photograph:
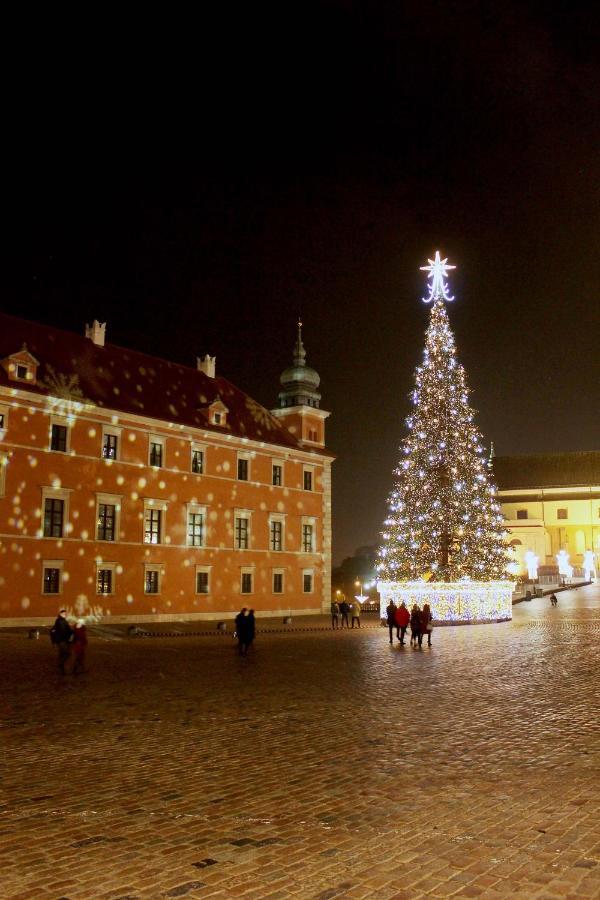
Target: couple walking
point(245, 629)
point(64, 638)
point(420, 621)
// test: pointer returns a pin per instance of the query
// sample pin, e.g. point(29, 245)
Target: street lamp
point(360, 597)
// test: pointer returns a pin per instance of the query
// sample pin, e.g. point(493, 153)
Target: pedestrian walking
point(335, 612)
point(250, 630)
point(356, 610)
point(426, 623)
point(344, 610)
point(80, 642)
point(415, 625)
point(391, 618)
point(402, 620)
point(553, 600)
point(241, 630)
point(61, 634)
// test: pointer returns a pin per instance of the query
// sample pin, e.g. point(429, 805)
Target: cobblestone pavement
point(325, 765)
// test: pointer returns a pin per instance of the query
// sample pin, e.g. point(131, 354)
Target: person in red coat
point(402, 620)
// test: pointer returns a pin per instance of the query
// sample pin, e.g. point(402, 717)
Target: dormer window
point(217, 418)
point(217, 413)
point(21, 366)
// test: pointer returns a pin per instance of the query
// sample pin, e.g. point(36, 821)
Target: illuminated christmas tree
point(443, 539)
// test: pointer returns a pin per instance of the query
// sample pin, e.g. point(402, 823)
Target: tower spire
point(299, 351)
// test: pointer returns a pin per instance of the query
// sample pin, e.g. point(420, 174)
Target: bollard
point(287, 620)
point(33, 634)
point(133, 630)
point(221, 626)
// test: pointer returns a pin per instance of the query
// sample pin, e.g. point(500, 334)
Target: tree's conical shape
point(444, 523)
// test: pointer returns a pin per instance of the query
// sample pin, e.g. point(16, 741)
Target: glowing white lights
point(532, 561)
point(589, 565)
point(564, 569)
point(438, 271)
point(461, 601)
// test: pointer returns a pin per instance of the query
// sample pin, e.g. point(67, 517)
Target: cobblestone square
point(324, 765)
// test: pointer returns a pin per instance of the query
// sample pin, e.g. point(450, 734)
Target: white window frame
point(241, 455)
point(114, 431)
point(53, 564)
point(150, 503)
point(201, 448)
point(153, 567)
point(191, 509)
point(280, 463)
point(112, 567)
point(199, 571)
point(3, 468)
point(247, 570)
point(157, 439)
point(242, 514)
point(275, 572)
point(277, 517)
point(311, 470)
point(308, 520)
point(310, 572)
point(109, 500)
point(64, 423)
point(49, 493)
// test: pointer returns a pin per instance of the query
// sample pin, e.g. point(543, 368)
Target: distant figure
point(402, 620)
point(250, 630)
point(79, 646)
point(415, 625)
point(426, 624)
point(553, 600)
point(391, 618)
point(356, 610)
point(61, 634)
point(344, 609)
point(335, 611)
point(241, 630)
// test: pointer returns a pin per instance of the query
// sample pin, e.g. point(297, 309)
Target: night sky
point(199, 184)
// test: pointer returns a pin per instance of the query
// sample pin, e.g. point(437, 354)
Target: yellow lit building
point(551, 502)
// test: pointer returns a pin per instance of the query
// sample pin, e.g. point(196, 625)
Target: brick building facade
point(136, 489)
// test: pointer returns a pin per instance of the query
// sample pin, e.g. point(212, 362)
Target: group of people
point(69, 639)
point(342, 611)
point(420, 621)
point(245, 629)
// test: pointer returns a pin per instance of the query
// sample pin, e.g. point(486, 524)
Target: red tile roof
point(126, 381)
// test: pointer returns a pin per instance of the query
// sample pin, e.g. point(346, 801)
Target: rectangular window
point(106, 522)
point(2, 420)
point(277, 474)
point(242, 469)
point(22, 372)
point(522, 514)
point(307, 538)
point(276, 535)
point(156, 454)
point(152, 525)
point(58, 438)
point(278, 582)
point(202, 582)
point(152, 581)
point(562, 514)
point(53, 517)
point(246, 582)
point(197, 462)
point(307, 582)
point(110, 444)
point(308, 480)
point(104, 581)
point(195, 529)
point(241, 533)
point(51, 580)
point(217, 418)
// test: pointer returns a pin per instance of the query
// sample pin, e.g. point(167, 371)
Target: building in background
point(551, 502)
point(137, 489)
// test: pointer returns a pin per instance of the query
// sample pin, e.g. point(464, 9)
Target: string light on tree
point(444, 526)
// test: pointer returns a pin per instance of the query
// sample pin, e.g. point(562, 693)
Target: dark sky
point(199, 183)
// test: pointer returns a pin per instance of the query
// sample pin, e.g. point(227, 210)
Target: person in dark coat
point(391, 618)
point(415, 625)
point(250, 630)
point(344, 609)
point(61, 635)
point(426, 626)
point(402, 620)
point(335, 612)
point(241, 630)
point(79, 646)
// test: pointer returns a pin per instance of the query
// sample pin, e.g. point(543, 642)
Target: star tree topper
point(438, 270)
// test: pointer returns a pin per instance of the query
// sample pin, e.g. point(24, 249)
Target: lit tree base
point(466, 602)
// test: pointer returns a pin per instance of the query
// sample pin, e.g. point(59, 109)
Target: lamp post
point(360, 597)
